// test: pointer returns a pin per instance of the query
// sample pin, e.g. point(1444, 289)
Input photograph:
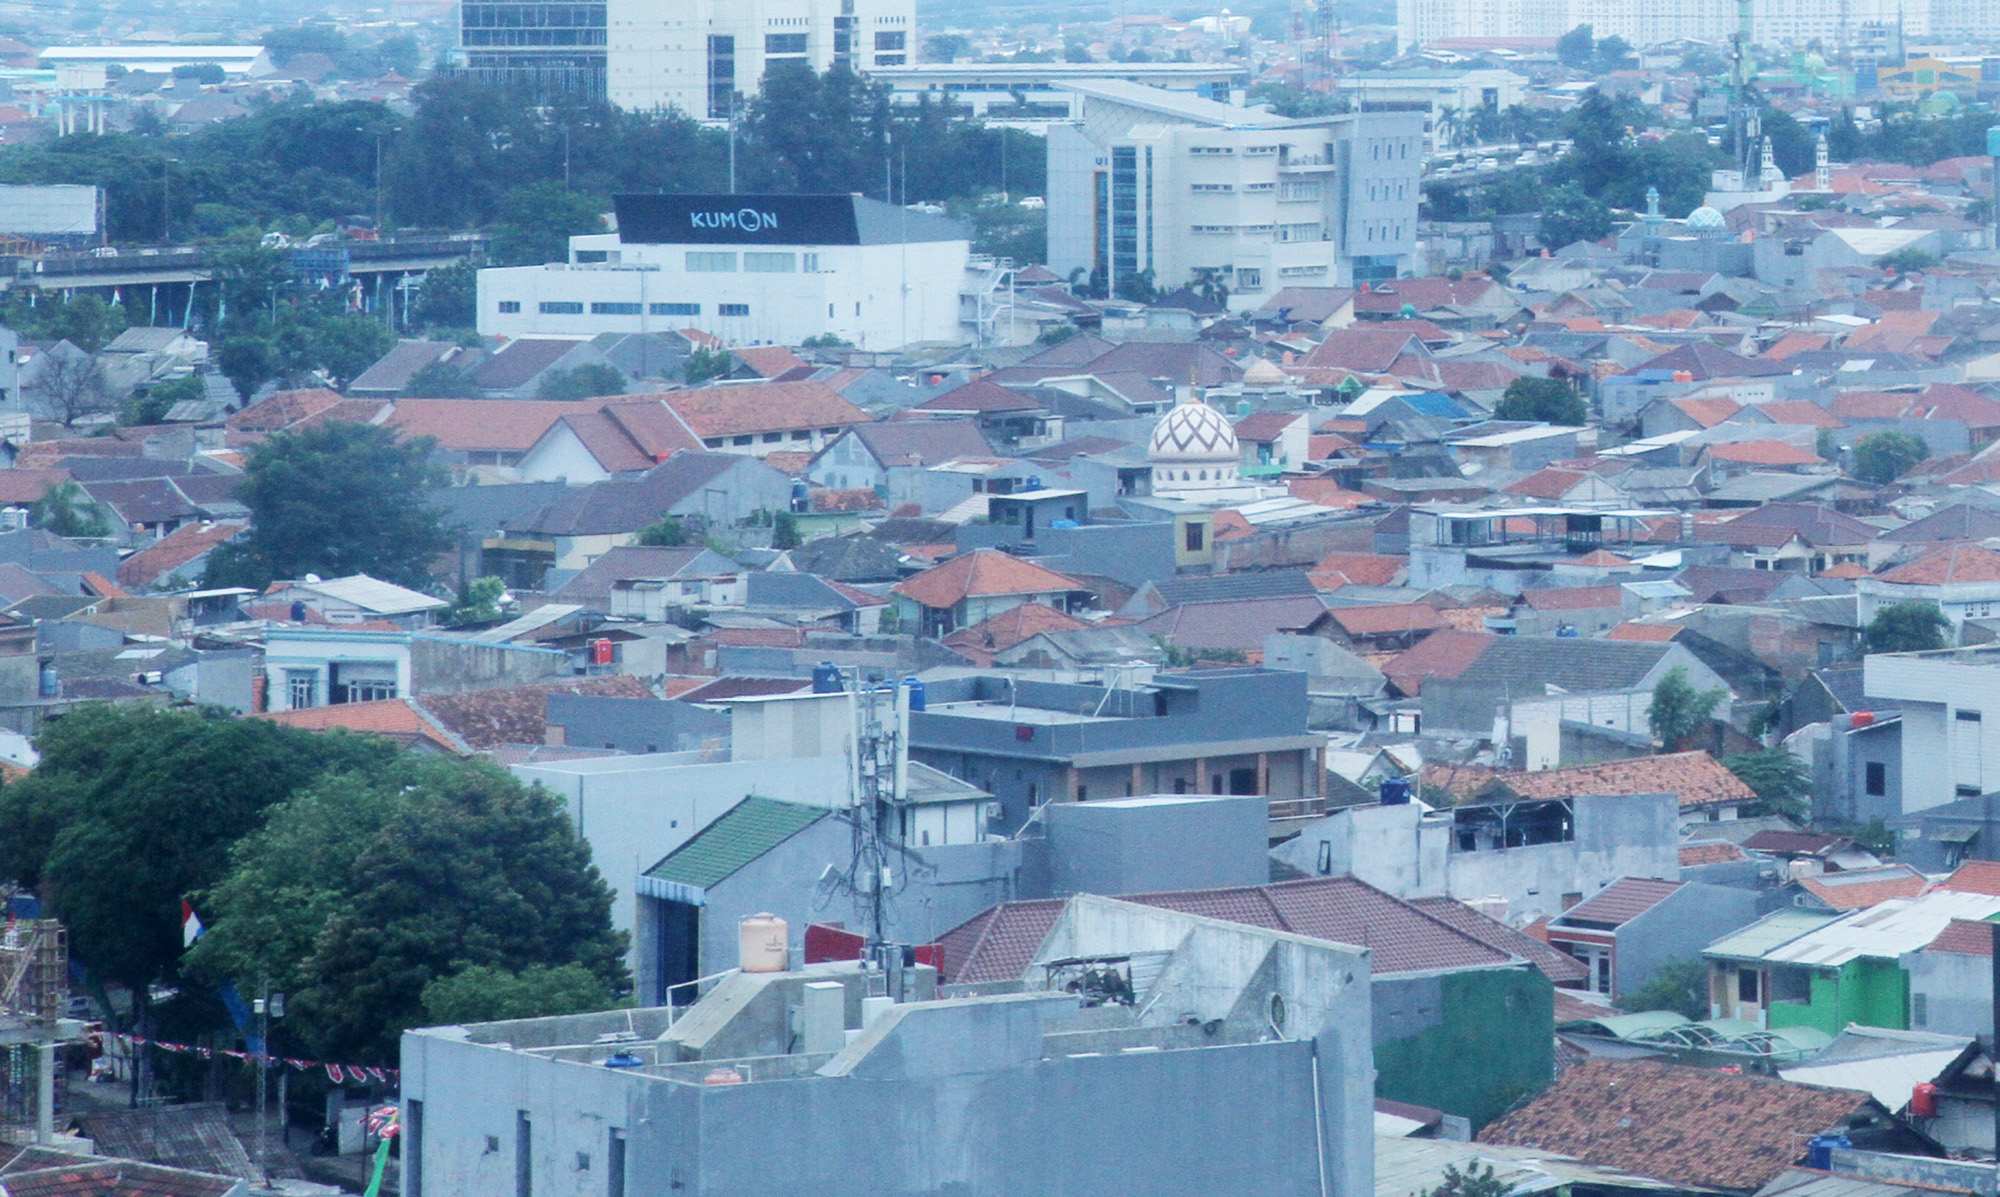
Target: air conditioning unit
point(994, 810)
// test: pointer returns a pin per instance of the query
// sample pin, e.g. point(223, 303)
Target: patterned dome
point(1193, 432)
point(1706, 220)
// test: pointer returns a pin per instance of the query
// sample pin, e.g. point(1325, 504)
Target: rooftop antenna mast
point(1744, 124)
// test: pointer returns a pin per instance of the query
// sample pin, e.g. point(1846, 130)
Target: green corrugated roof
point(744, 832)
point(1769, 933)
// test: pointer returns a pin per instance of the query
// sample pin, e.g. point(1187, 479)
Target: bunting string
point(339, 1074)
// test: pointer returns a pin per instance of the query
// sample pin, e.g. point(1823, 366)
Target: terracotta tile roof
point(769, 361)
point(1964, 937)
point(1770, 453)
point(794, 464)
point(282, 409)
point(1549, 482)
point(758, 637)
point(1975, 877)
point(1799, 411)
point(1357, 569)
point(161, 558)
point(1616, 904)
point(483, 425)
point(1559, 967)
point(1573, 598)
point(605, 441)
point(398, 718)
point(104, 587)
point(719, 689)
point(1602, 557)
point(1385, 618)
point(982, 572)
point(26, 487)
point(1683, 1125)
point(518, 714)
point(762, 407)
point(1708, 412)
point(1857, 889)
point(1266, 425)
point(1698, 778)
point(1001, 943)
point(1459, 782)
point(1325, 491)
point(654, 427)
point(1007, 629)
point(1845, 571)
point(1957, 563)
point(1446, 653)
point(1712, 852)
point(1791, 343)
point(981, 395)
point(520, 362)
point(1795, 843)
point(861, 498)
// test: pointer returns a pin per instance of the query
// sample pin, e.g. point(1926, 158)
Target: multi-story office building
point(1150, 180)
point(1421, 22)
point(548, 48)
point(1031, 96)
point(749, 269)
point(1775, 23)
point(698, 56)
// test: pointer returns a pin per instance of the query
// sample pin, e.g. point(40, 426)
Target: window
point(1294, 191)
point(713, 442)
point(721, 76)
point(1249, 279)
point(510, 306)
point(1298, 232)
point(524, 1156)
point(1920, 1009)
point(810, 265)
point(1259, 188)
point(891, 41)
point(1195, 537)
point(1214, 187)
point(615, 309)
point(764, 263)
point(372, 691)
point(413, 1148)
point(561, 308)
point(585, 257)
point(704, 261)
point(732, 309)
point(1746, 985)
point(301, 688)
point(1877, 779)
point(802, 434)
point(890, 60)
point(676, 309)
point(742, 440)
point(1199, 151)
point(772, 438)
point(784, 43)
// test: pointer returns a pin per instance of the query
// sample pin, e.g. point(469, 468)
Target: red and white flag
point(191, 928)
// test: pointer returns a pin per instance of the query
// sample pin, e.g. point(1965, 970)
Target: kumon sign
point(737, 220)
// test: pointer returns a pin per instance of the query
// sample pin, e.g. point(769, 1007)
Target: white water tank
point(762, 942)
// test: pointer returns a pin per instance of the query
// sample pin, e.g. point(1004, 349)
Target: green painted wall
point(1874, 993)
point(1472, 1043)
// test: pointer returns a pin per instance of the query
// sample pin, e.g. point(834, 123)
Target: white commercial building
point(1031, 95)
point(252, 61)
point(749, 269)
point(697, 56)
point(1150, 180)
point(1434, 93)
point(1774, 23)
point(1421, 22)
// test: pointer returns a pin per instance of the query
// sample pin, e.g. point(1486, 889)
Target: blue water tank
point(1395, 791)
point(51, 683)
point(916, 688)
point(1819, 1150)
point(1062, 524)
point(624, 1060)
point(1033, 483)
point(826, 678)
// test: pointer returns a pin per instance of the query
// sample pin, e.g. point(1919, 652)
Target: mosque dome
point(1193, 432)
point(1706, 220)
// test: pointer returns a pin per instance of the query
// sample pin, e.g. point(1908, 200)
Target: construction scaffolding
point(34, 998)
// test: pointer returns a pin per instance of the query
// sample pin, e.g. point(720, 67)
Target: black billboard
point(737, 220)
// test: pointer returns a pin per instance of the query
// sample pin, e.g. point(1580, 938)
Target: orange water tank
point(1923, 1101)
point(1861, 718)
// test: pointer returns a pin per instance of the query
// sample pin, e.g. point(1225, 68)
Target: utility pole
point(268, 1006)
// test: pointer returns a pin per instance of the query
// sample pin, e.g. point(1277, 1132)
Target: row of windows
point(1215, 187)
point(711, 261)
point(532, 16)
point(557, 307)
point(1210, 151)
point(533, 37)
point(1386, 229)
point(1375, 149)
point(769, 438)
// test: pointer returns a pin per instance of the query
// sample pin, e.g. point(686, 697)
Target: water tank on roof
point(801, 498)
point(915, 686)
point(1861, 719)
point(624, 1060)
point(1033, 483)
point(51, 681)
point(826, 678)
point(1820, 1149)
point(1395, 791)
point(1923, 1100)
point(762, 941)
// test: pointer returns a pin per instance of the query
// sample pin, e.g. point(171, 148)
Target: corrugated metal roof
point(740, 835)
point(1890, 1079)
point(373, 594)
point(1778, 927)
point(1886, 930)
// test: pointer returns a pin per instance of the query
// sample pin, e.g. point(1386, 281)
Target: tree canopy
point(363, 892)
point(336, 499)
point(1547, 399)
point(1678, 711)
point(1912, 626)
point(1679, 985)
point(1884, 457)
point(1782, 782)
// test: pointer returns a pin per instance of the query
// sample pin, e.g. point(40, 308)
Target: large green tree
point(336, 499)
point(133, 809)
point(1679, 711)
point(1913, 626)
point(361, 894)
point(1782, 782)
point(1550, 400)
point(1884, 457)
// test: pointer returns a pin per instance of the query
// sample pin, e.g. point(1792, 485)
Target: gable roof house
point(889, 456)
point(1962, 579)
point(760, 418)
point(621, 437)
point(1513, 670)
point(1805, 537)
point(976, 586)
point(1626, 931)
point(518, 369)
point(718, 490)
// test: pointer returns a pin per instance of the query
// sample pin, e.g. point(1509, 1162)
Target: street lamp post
point(268, 1006)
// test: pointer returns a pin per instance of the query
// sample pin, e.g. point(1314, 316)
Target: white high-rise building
point(1422, 22)
point(1161, 182)
point(696, 56)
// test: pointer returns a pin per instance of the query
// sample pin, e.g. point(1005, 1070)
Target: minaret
point(1822, 168)
point(1769, 172)
point(1653, 218)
